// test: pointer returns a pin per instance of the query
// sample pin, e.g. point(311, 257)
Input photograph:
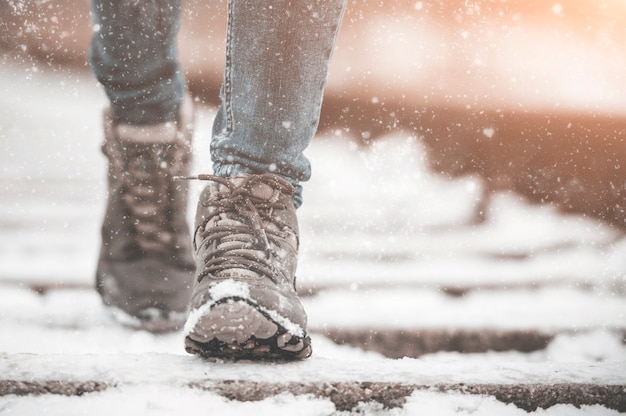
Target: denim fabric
point(277, 57)
point(133, 55)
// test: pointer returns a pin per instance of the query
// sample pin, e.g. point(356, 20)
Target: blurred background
point(526, 94)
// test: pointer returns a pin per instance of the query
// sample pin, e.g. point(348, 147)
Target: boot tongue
point(259, 189)
point(264, 191)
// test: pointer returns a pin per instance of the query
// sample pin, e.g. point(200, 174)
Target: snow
point(542, 309)
point(148, 382)
point(181, 370)
point(168, 401)
point(380, 236)
point(232, 289)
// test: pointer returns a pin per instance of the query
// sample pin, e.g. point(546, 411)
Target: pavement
point(405, 292)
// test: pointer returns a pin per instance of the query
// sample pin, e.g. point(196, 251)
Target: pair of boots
point(237, 297)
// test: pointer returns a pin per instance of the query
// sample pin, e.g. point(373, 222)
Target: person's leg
point(277, 59)
point(145, 268)
point(244, 302)
point(133, 55)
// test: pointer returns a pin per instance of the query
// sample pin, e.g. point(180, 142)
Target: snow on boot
point(145, 270)
point(244, 302)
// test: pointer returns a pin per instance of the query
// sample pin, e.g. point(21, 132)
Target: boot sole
point(234, 328)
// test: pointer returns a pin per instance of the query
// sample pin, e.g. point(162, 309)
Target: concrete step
point(347, 396)
point(344, 383)
point(414, 343)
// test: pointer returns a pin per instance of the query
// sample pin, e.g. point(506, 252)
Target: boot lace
point(247, 232)
point(148, 191)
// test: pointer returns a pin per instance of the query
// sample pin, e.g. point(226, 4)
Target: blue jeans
point(277, 58)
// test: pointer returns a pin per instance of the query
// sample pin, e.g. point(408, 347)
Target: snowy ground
point(382, 237)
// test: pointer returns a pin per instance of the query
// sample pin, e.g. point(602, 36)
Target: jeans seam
point(228, 71)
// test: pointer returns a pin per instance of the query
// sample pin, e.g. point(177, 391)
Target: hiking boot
point(244, 302)
point(145, 270)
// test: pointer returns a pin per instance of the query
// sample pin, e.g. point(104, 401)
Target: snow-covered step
point(529, 344)
point(345, 396)
point(458, 271)
point(343, 382)
point(395, 322)
point(404, 322)
point(546, 309)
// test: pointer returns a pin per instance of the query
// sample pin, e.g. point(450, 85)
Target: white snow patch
point(551, 309)
point(161, 400)
point(168, 400)
point(180, 370)
point(489, 132)
point(457, 404)
point(585, 347)
point(291, 327)
point(557, 9)
point(229, 288)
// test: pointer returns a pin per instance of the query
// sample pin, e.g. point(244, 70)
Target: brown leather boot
point(145, 270)
point(244, 302)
